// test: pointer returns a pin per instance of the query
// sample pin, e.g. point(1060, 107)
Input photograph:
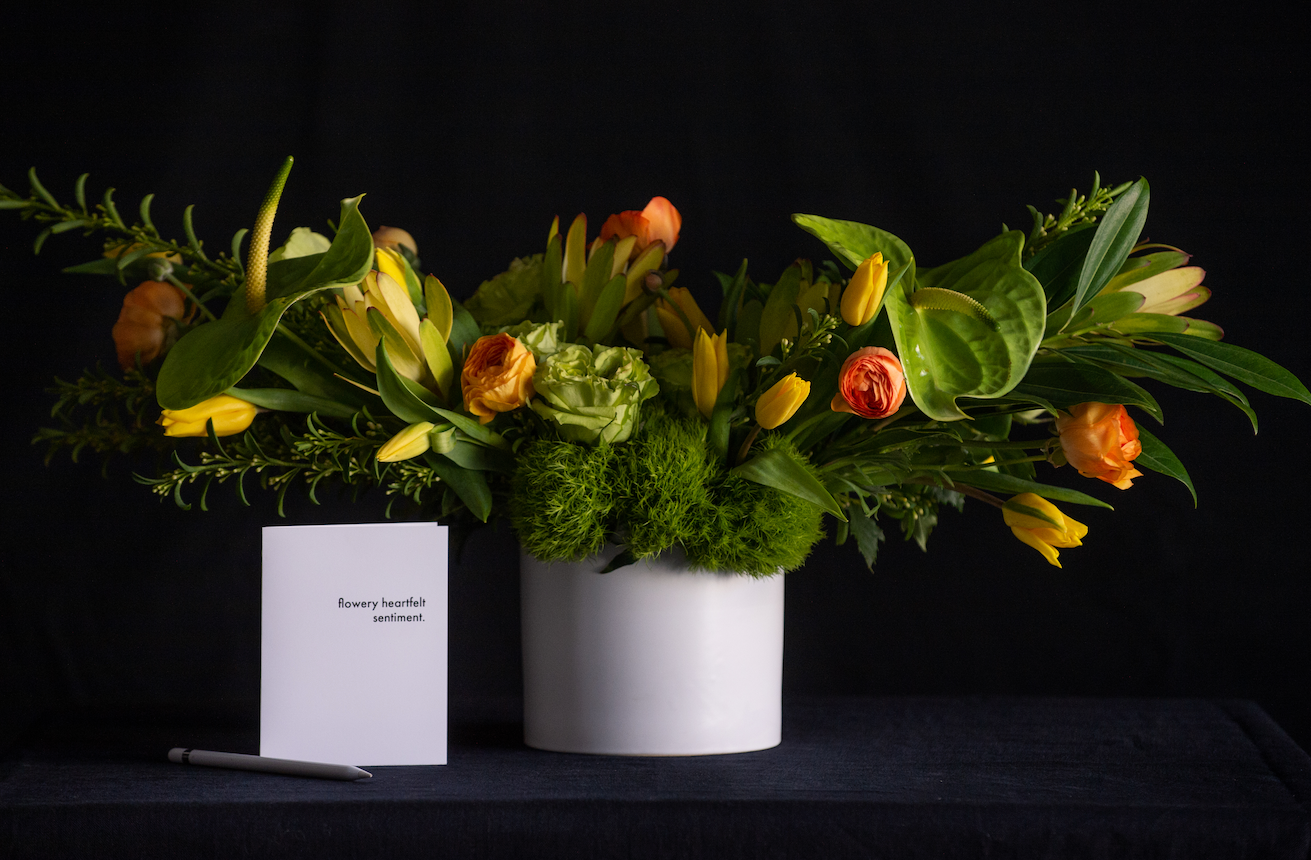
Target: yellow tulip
point(229, 414)
point(672, 323)
point(709, 369)
point(781, 401)
point(1041, 525)
point(864, 293)
point(410, 442)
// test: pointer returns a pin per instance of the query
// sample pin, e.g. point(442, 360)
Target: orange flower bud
point(391, 237)
point(147, 325)
point(871, 384)
point(497, 376)
point(1100, 440)
point(658, 222)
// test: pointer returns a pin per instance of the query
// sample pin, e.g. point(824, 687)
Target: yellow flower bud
point(1041, 525)
point(781, 401)
point(229, 414)
point(410, 442)
point(709, 369)
point(864, 294)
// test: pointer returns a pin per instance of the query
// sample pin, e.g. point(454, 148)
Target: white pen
point(239, 761)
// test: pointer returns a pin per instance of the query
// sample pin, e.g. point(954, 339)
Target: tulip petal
point(1048, 551)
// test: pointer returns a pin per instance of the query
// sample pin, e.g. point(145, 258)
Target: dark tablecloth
point(854, 777)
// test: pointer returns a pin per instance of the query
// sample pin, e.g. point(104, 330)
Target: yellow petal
point(394, 302)
point(410, 442)
point(575, 248)
point(1048, 551)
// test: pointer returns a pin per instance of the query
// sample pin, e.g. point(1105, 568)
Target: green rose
point(593, 394)
point(542, 339)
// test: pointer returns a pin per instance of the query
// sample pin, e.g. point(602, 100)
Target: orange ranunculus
point(658, 222)
point(497, 376)
point(148, 323)
point(872, 384)
point(1100, 440)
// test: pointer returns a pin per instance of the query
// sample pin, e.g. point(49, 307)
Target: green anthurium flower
point(593, 394)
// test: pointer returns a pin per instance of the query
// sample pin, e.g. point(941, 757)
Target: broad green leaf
point(470, 485)
point(998, 482)
point(1115, 237)
point(854, 242)
point(464, 334)
point(949, 354)
point(1242, 364)
point(775, 468)
point(287, 400)
point(551, 270)
point(213, 357)
point(778, 312)
point(403, 397)
point(1058, 265)
point(481, 458)
point(1159, 458)
point(307, 373)
point(1066, 384)
point(412, 403)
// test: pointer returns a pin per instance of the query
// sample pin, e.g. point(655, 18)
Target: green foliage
point(104, 414)
point(510, 297)
point(659, 490)
point(1077, 211)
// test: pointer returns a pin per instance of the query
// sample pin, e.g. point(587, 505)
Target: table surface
point(854, 777)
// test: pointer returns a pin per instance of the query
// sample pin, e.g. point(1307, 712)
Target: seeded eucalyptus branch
point(1077, 210)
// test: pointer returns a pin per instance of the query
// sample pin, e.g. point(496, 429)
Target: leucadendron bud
point(864, 294)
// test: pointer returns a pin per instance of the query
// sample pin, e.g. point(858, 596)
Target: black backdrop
point(473, 127)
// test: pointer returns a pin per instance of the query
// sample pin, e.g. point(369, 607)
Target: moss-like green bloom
point(509, 297)
point(593, 394)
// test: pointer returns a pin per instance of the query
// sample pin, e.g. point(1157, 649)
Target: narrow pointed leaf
point(1115, 237)
point(606, 310)
point(1242, 364)
point(999, 482)
point(1159, 458)
point(775, 468)
point(469, 485)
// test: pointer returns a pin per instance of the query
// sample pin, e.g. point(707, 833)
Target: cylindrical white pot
point(650, 659)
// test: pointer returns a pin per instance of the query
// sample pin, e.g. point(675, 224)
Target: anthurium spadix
point(213, 357)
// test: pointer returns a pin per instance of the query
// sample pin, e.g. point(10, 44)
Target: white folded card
point(353, 656)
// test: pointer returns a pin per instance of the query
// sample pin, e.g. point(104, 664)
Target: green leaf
point(1057, 266)
point(1116, 235)
point(412, 403)
point(733, 290)
point(286, 400)
point(868, 534)
point(853, 242)
point(1106, 309)
point(303, 370)
point(720, 417)
point(1159, 458)
point(776, 468)
point(596, 277)
point(948, 354)
point(998, 482)
point(464, 334)
point(1242, 364)
point(470, 485)
point(1147, 325)
point(481, 458)
point(1066, 384)
point(213, 357)
point(778, 312)
point(606, 309)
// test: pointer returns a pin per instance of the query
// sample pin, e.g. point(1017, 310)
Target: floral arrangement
point(584, 397)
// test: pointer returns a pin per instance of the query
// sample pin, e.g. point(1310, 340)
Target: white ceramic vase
point(650, 659)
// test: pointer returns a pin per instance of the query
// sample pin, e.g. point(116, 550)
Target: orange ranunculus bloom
point(871, 384)
point(1100, 440)
point(497, 376)
point(658, 222)
point(148, 323)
